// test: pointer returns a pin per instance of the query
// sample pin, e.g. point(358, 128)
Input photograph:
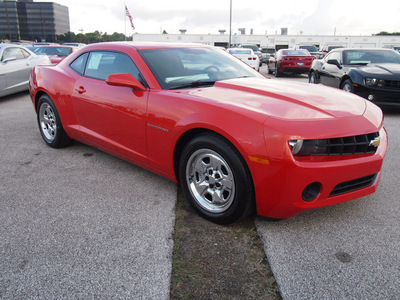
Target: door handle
point(80, 90)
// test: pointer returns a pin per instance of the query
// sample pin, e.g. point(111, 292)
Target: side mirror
point(125, 79)
point(334, 62)
point(9, 58)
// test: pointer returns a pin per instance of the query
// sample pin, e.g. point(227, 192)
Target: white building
point(275, 41)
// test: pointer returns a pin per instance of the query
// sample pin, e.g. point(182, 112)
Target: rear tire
point(277, 73)
point(215, 179)
point(269, 70)
point(50, 125)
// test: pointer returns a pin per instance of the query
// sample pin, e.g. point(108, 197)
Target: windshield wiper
point(196, 83)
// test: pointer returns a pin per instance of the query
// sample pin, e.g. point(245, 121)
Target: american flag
point(128, 14)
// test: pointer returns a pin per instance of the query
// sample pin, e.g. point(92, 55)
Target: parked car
point(255, 49)
point(312, 49)
point(16, 64)
point(291, 61)
point(266, 53)
point(247, 56)
point(373, 74)
point(234, 140)
point(55, 53)
point(328, 48)
point(79, 45)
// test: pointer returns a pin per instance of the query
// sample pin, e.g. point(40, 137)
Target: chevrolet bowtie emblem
point(375, 142)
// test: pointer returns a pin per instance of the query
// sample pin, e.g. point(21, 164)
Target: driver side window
point(334, 56)
point(13, 52)
point(101, 64)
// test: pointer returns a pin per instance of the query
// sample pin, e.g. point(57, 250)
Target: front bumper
point(280, 185)
point(381, 97)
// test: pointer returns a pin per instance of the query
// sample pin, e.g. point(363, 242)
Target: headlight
point(374, 82)
point(308, 147)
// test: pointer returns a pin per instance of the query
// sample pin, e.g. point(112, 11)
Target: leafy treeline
point(387, 33)
point(92, 37)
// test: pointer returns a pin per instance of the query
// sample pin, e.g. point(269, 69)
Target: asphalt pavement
point(346, 251)
point(77, 223)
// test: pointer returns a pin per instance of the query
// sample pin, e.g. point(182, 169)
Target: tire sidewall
point(313, 78)
point(59, 138)
point(243, 183)
point(350, 84)
point(277, 73)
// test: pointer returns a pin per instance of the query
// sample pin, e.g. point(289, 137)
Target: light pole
point(230, 25)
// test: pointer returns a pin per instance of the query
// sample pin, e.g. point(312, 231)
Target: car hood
point(384, 69)
point(276, 98)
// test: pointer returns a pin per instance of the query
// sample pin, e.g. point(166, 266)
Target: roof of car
point(145, 45)
point(362, 49)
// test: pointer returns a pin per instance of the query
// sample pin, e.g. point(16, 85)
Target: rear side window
point(78, 65)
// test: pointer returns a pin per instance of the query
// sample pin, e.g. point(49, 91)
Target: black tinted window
point(78, 65)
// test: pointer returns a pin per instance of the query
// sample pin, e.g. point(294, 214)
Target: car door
point(110, 117)
point(16, 68)
point(330, 74)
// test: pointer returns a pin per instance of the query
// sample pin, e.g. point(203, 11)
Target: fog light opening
point(311, 191)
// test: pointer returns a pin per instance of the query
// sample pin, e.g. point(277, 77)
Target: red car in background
point(55, 53)
point(291, 61)
point(237, 142)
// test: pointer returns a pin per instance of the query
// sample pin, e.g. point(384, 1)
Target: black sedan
point(370, 73)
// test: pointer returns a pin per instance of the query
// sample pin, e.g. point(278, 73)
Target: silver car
point(16, 64)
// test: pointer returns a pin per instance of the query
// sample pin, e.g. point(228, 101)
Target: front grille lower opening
point(353, 185)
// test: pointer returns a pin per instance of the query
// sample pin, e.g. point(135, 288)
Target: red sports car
point(235, 140)
point(291, 61)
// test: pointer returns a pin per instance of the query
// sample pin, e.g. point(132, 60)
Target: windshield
point(60, 51)
point(252, 47)
point(363, 57)
point(240, 51)
point(310, 48)
point(296, 52)
point(190, 67)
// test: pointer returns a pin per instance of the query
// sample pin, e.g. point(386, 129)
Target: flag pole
point(125, 18)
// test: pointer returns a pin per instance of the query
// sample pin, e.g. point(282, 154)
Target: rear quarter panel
point(58, 85)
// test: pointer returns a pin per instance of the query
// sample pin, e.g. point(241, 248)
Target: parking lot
point(61, 235)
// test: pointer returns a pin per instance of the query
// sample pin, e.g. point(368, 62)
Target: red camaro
point(235, 140)
point(291, 61)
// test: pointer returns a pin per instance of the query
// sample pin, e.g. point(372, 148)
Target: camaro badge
point(375, 142)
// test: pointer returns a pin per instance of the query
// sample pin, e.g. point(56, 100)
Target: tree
point(387, 33)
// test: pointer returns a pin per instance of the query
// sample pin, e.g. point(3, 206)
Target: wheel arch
point(344, 78)
point(194, 132)
point(37, 97)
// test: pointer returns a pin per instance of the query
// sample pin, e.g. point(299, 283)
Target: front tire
point(215, 179)
point(313, 78)
point(348, 86)
point(50, 125)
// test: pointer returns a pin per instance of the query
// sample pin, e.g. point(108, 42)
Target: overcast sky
point(347, 17)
